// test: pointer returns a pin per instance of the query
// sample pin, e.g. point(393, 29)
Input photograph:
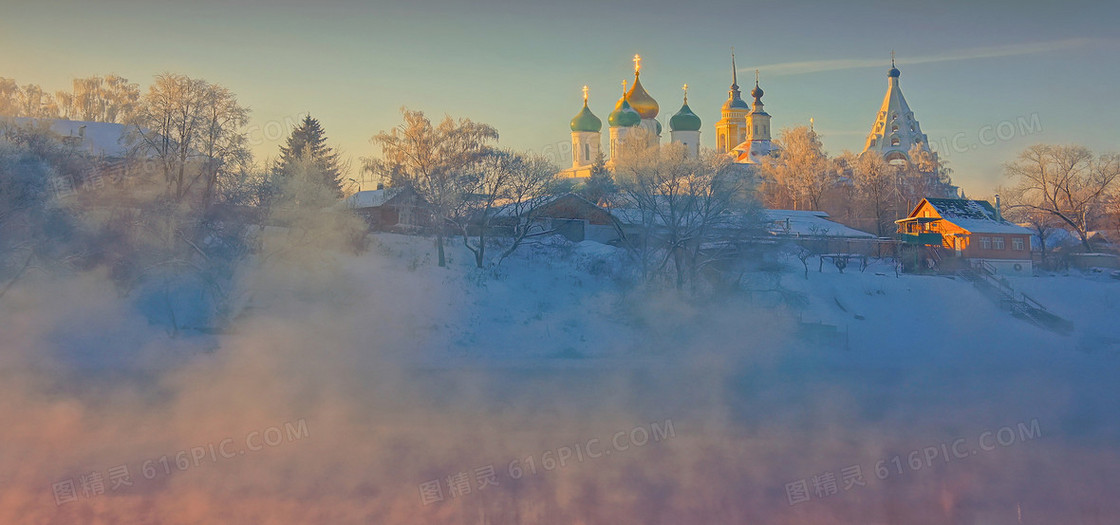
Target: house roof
point(98, 138)
point(975, 216)
point(809, 223)
point(372, 198)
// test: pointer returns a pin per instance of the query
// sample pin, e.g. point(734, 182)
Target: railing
point(921, 238)
point(1019, 304)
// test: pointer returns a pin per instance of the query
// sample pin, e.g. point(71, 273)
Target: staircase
point(983, 276)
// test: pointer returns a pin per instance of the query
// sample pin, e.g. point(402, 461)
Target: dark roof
point(973, 215)
point(964, 209)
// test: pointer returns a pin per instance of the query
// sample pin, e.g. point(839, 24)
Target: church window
point(895, 141)
point(894, 128)
point(587, 152)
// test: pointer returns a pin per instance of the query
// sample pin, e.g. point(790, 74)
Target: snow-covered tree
point(800, 174)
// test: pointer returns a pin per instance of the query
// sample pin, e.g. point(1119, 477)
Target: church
point(742, 132)
point(896, 130)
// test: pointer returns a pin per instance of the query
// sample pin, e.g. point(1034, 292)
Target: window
point(997, 243)
point(894, 128)
point(986, 243)
point(1017, 244)
point(895, 141)
point(587, 152)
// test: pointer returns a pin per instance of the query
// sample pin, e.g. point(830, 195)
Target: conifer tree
point(308, 145)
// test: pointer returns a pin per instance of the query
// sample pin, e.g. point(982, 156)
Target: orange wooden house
point(970, 229)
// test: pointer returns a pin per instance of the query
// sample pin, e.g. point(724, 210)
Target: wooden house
point(972, 230)
point(391, 209)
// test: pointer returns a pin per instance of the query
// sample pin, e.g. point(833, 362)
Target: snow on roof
point(511, 209)
point(98, 138)
point(809, 223)
point(370, 198)
point(974, 216)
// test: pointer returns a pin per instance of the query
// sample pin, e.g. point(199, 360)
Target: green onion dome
point(624, 115)
point(585, 120)
point(685, 120)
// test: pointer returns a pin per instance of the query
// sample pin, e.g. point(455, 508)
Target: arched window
point(895, 141)
point(894, 128)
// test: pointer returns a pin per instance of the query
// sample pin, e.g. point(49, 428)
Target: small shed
point(391, 209)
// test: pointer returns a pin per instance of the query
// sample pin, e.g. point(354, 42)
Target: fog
point(348, 382)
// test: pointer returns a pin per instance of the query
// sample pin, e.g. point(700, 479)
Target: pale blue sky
point(966, 67)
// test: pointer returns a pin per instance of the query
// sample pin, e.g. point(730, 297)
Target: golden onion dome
point(644, 104)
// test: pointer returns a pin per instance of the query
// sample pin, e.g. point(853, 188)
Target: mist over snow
point(403, 373)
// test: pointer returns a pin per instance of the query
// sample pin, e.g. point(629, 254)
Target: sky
point(985, 79)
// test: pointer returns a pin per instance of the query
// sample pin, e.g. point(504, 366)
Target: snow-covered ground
point(405, 374)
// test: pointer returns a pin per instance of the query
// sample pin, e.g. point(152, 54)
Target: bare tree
point(222, 140)
point(1065, 181)
point(433, 160)
point(527, 191)
point(194, 129)
point(482, 192)
point(688, 208)
point(1041, 223)
point(874, 181)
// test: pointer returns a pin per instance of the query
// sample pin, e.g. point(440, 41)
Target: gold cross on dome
point(623, 87)
point(584, 94)
point(637, 63)
point(685, 88)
